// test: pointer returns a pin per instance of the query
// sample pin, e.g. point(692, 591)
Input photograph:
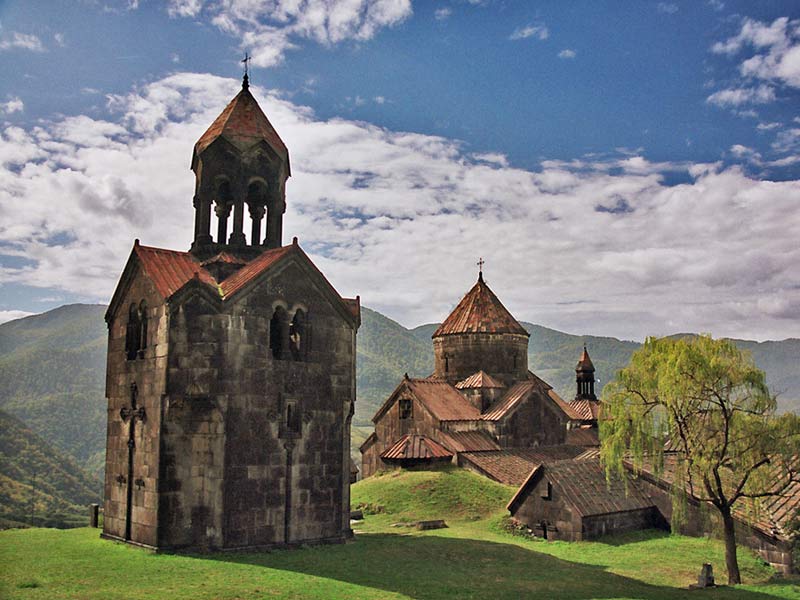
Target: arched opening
point(257, 204)
point(298, 339)
point(132, 333)
point(223, 202)
point(279, 334)
point(446, 363)
point(142, 328)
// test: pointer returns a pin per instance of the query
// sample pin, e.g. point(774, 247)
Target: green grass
point(473, 558)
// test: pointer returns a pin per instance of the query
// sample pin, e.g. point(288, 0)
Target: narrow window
point(405, 408)
point(132, 333)
point(278, 333)
point(142, 328)
point(292, 418)
point(297, 336)
point(547, 492)
point(446, 363)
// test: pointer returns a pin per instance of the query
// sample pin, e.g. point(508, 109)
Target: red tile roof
point(587, 409)
point(583, 437)
point(480, 311)
point(170, 270)
point(513, 465)
point(415, 447)
point(584, 362)
point(479, 380)
point(468, 441)
point(224, 257)
point(243, 124)
point(251, 270)
point(583, 484)
point(520, 392)
point(443, 400)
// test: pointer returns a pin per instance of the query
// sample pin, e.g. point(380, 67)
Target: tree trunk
point(730, 547)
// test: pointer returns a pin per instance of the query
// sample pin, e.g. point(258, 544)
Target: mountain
point(52, 369)
point(38, 484)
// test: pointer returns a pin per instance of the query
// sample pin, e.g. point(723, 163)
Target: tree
point(709, 403)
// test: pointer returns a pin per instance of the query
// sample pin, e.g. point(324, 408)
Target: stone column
point(256, 214)
point(237, 236)
point(222, 210)
point(204, 227)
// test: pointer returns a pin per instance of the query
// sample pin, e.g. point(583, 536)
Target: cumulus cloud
point(11, 315)
point(738, 96)
point(540, 32)
point(268, 28)
point(567, 53)
point(21, 41)
point(13, 105)
point(605, 247)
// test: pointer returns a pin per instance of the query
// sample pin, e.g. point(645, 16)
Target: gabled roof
point(583, 484)
point(479, 380)
point(480, 311)
point(583, 437)
point(468, 441)
point(170, 270)
point(588, 410)
point(513, 465)
point(438, 397)
point(584, 362)
point(243, 123)
point(224, 257)
point(253, 269)
point(519, 392)
point(415, 447)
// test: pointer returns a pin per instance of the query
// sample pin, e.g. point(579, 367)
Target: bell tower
point(584, 377)
point(241, 166)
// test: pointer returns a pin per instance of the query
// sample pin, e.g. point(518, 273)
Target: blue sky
point(659, 139)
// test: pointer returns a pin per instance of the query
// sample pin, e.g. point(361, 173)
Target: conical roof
point(584, 363)
point(243, 124)
point(480, 311)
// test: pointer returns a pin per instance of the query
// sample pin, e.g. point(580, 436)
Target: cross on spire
point(246, 79)
point(480, 264)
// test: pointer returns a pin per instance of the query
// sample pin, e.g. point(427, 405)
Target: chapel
point(231, 368)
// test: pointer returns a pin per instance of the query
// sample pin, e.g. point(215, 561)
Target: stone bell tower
point(241, 166)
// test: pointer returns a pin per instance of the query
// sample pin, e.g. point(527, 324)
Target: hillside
point(37, 483)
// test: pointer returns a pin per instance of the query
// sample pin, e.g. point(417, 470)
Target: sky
point(623, 168)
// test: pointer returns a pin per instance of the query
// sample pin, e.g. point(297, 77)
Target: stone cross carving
point(131, 413)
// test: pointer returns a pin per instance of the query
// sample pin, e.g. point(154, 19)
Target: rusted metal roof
point(224, 257)
point(415, 447)
point(584, 362)
point(480, 311)
point(519, 392)
point(588, 410)
point(585, 437)
point(583, 484)
point(251, 270)
point(479, 380)
point(443, 401)
point(468, 441)
point(170, 270)
point(513, 465)
point(243, 124)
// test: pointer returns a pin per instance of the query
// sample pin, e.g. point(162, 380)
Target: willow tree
point(710, 405)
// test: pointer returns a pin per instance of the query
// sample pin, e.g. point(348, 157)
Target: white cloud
point(11, 315)
point(21, 41)
point(12, 106)
point(59, 40)
point(269, 28)
point(761, 94)
point(667, 7)
point(540, 32)
point(379, 100)
point(716, 4)
point(787, 140)
point(567, 53)
point(443, 13)
point(586, 245)
point(767, 126)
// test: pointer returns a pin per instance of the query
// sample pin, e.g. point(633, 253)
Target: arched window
point(279, 333)
point(132, 333)
point(298, 339)
point(142, 328)
point(224, 202)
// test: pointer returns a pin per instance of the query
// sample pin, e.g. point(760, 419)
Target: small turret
point(584, 377)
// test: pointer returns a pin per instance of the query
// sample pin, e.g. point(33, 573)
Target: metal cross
point(246, 60)
point(480, 264)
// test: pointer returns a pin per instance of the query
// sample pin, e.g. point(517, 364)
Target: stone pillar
point(256, 214)
point(237, 236)
point(222, 210)
point(204, 227)
point(94, 510)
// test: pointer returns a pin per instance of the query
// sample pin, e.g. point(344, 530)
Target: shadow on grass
point(431, 567)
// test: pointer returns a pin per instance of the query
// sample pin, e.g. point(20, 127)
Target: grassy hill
point(472, 559)
point(38, 484)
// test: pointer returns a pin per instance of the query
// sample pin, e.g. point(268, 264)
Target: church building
point(481, 402)
point(231, 368)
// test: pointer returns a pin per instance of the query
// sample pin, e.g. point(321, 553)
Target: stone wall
point(148, 374)
point(536, 422)
point(502, 355)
